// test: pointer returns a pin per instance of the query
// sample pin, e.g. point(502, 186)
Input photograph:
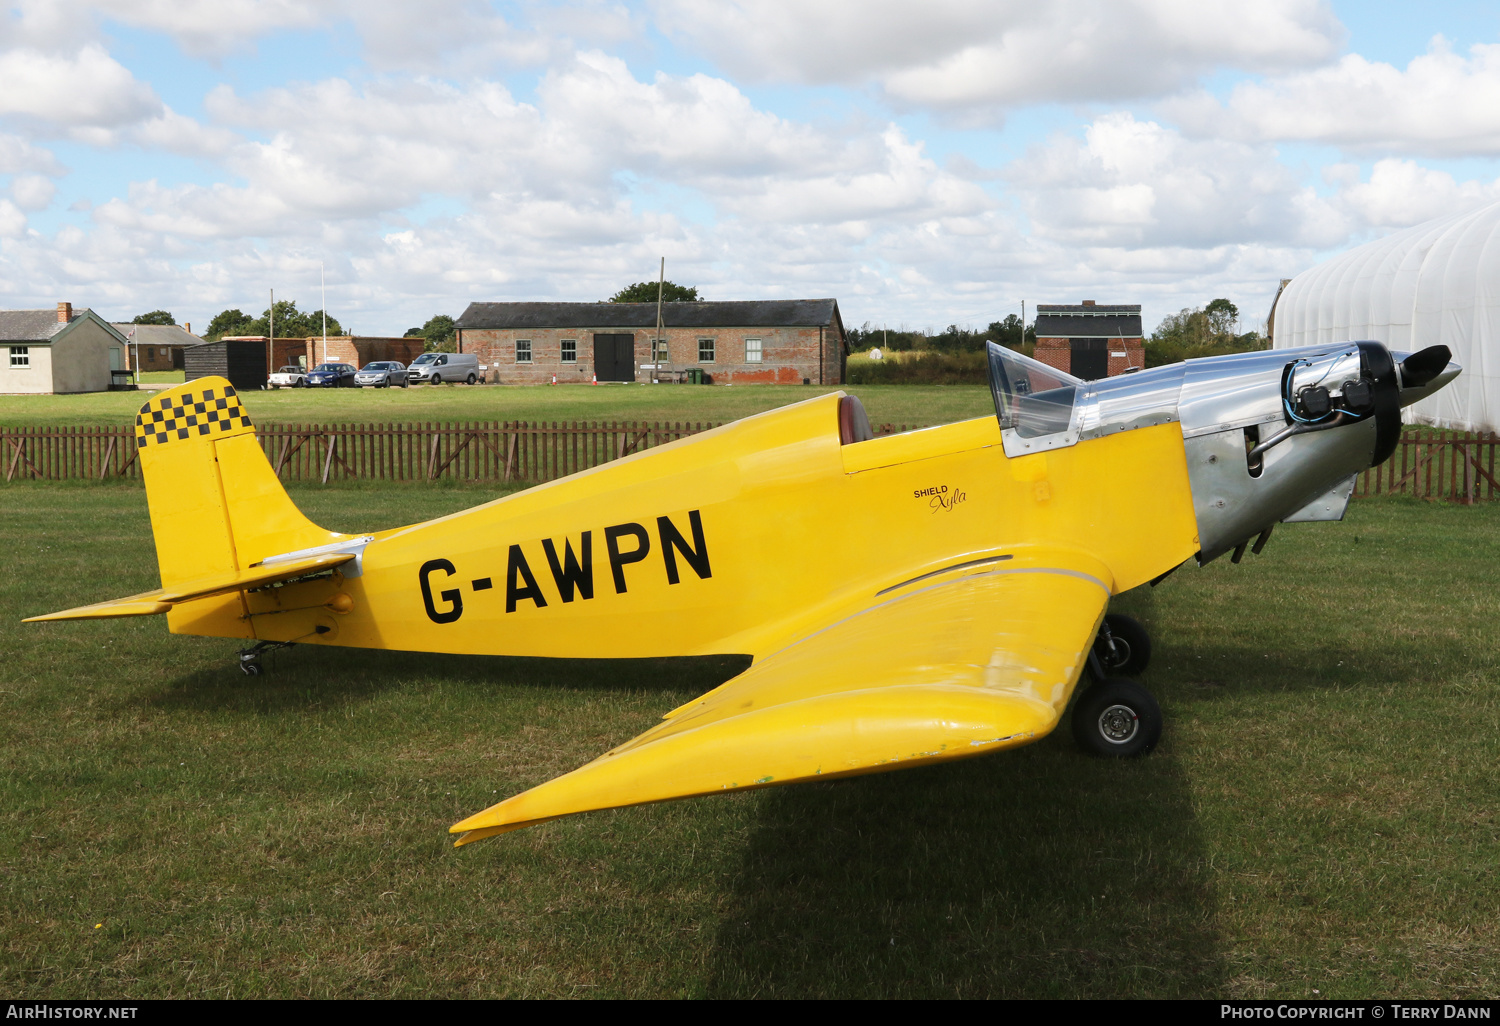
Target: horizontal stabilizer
point(159, 601)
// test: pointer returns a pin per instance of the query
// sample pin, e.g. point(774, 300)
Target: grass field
point(1321, 815)
point(895, 404)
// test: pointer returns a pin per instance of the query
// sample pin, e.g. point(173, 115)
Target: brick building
point(1088, 340)
point(158, 346)
point(356, 349)
point(785, 341)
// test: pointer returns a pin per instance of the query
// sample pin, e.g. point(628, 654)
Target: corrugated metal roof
point(758, 313)
point(30, 325)
point(156, 334)
point(1116, 326)
point(1088, 309)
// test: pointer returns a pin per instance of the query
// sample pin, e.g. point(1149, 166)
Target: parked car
point(290, 376)
point(436, 368)
point(382, 374)
point(331, 375)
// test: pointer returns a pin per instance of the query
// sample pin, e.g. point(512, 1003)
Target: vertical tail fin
point(216, 504)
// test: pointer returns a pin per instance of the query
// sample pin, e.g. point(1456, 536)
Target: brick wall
point(1054, 352)
point(1058, 353)
point(356, 349)
point(790, 355)
point(152, 358)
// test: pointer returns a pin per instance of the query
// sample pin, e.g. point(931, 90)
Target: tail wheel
point(1123, 646)
point(1116, 718)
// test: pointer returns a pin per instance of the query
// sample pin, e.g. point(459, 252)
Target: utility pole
point(322, 284)
point(271, 338)
point(656, 344)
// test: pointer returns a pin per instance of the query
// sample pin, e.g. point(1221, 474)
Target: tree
point(440, 334)
point(228, 322)
point(154, 317)
point(1222, 316)
point(645, 292)
point(1197, 332)
point(292, 323)
point(1011, 333)
point(867, 337)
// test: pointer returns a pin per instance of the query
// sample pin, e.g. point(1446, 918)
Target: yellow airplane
point(906, 599)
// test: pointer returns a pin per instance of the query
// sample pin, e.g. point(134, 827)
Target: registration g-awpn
point(889, 625)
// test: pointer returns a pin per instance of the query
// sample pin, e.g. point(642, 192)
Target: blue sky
point(925, 167)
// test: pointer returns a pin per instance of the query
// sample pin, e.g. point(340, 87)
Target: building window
point(570, 350)
point(660, 355)
point(705, 350)
point(20, 356)
point(523, 350)
point(752, 350)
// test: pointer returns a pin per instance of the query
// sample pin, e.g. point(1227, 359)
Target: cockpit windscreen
point(1030, 397)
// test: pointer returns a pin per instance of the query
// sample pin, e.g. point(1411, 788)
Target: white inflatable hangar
point(1435, 284)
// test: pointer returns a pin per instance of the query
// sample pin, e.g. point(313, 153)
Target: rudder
point(216, 504)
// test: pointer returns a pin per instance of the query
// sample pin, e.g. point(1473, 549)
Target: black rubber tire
point(472, 379)
point(1131, 652)
point(1116, 719)
point(437, 379)
point(250, 669)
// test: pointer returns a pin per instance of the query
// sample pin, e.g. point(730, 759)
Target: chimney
point(64, 313)
point(187, 326)
point(1088, 302)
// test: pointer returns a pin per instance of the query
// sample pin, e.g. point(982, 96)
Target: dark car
point(331, 375)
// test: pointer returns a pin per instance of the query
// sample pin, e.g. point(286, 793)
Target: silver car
point(381, 374)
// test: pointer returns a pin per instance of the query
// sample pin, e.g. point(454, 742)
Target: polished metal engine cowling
point(1268, 436)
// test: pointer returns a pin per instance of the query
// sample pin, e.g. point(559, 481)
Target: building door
point(614, 357)
point(1090, 358)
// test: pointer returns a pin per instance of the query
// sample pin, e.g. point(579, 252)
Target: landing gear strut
point(250, 657)
point(1123, 646)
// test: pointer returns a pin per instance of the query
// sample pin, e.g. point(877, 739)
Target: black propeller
point(1420, 368)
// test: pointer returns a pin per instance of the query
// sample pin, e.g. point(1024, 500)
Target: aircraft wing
point(150, 602)
point(941, 671)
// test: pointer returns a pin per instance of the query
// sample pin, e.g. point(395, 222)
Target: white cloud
point(32, 192)
point(959, 55)
point(1132, 184)
point(1401, 193)
point(12, 220)
point(16, 154)
point(86, 90)
point(211, 28)
point(1442, 104)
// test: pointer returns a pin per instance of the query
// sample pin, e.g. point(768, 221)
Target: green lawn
point(895, 404)
point(1321, 814)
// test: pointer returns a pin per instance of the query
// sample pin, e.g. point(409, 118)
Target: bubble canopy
point(1031, 398)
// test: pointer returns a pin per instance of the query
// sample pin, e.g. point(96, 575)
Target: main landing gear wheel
point(1123, 646)
point(1116, 718)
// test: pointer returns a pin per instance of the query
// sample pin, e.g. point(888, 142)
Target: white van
point(436, 368)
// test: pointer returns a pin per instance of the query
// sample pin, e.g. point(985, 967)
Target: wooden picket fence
point(1454, 465)
point(1449, 465)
